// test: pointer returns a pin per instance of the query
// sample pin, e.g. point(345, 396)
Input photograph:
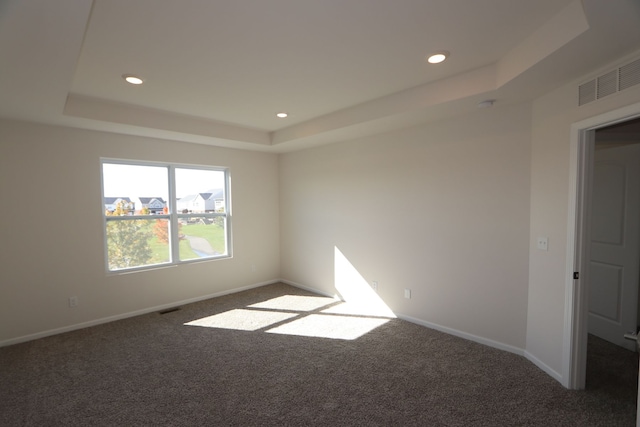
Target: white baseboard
point(465, 335)
point(100, 321)
point(450, 331)
point(495, 344)
point(455, 332)
point(540, 364)
point(307, 288)
point(481, 340)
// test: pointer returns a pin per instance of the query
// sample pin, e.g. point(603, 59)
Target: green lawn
point(160, 251)
point(214, 234)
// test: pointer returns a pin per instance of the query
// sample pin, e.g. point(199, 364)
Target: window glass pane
point(202, 237)
point(137, 242)
point(139, 227)
point(199, 190)
point(134, 189)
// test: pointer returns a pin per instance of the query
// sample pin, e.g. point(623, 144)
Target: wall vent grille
point(587, 92)
point(609, 83)
point(630, 75)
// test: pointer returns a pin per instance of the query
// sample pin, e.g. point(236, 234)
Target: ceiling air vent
point(609, 83)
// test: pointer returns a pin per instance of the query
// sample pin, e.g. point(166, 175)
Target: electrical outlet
point(73, 302)
point(543, 243)
point(374, 286)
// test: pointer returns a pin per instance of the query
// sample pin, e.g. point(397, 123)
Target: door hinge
point(576, 275)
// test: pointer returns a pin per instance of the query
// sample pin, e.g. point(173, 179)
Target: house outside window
point(154, 205)
point(111, 203)
point(162, 214)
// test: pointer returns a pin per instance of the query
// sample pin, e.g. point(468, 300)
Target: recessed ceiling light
point(282, 115)
point(134, 80)
point(438, 57)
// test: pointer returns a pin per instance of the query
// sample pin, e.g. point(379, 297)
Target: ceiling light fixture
point(134, 80)
point(282, 115)
point(438, 57)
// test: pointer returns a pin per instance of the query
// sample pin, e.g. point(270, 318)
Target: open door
point(615, 244)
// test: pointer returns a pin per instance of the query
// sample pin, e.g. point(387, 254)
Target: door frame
point(582, 143)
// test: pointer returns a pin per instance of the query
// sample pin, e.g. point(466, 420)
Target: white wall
point(442, 209)
point(51, 238)
point(553, 115)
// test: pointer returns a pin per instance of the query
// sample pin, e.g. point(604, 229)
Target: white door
point(615, 249)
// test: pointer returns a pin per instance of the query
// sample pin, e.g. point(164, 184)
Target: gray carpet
point(154, 370)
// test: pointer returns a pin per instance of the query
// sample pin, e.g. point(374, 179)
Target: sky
point(152, 181)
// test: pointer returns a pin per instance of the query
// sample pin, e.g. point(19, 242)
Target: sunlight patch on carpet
point(355, 309)
point(294, 303)
point(242, 320)
point(301, 315)
point(328, 326)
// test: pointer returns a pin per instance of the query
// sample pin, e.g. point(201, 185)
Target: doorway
point(624, 123)
point(614, 257)
point(614, 262)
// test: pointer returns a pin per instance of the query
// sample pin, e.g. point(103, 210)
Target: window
point(159, 214)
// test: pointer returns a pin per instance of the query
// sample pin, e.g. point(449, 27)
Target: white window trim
point(173, 216)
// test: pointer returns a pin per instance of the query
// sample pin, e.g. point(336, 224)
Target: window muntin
point(159, 214)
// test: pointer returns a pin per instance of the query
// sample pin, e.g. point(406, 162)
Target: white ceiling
point(216, 72)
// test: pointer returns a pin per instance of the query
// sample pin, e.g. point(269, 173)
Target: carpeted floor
point(154, 370)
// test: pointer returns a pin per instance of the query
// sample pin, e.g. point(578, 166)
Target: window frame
point(173, 216)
